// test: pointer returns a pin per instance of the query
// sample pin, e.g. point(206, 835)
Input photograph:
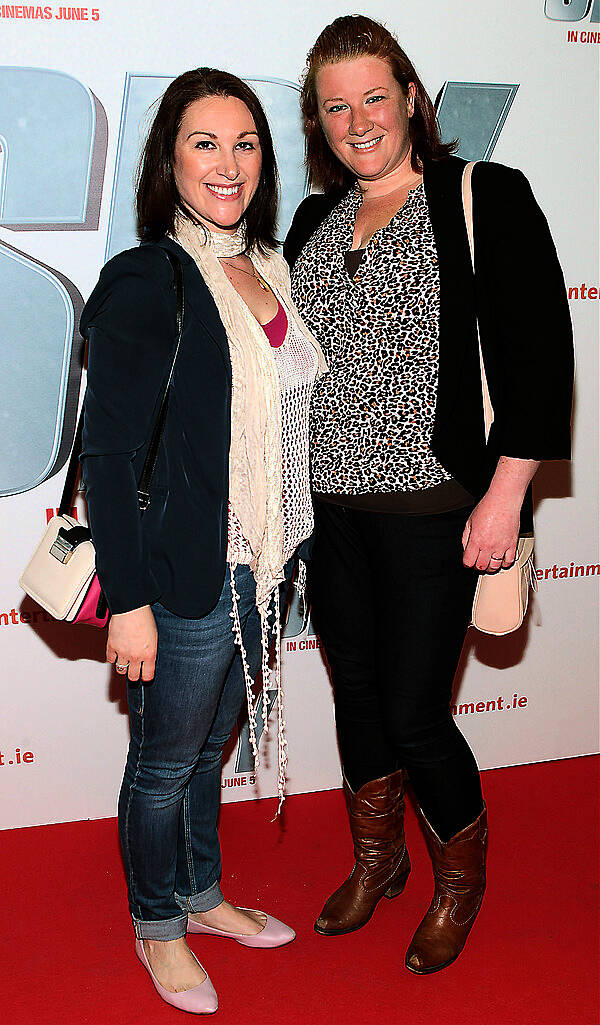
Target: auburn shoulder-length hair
point(346, 38)
point(157, 196)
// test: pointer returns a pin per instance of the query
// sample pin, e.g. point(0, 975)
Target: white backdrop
point(73, 91)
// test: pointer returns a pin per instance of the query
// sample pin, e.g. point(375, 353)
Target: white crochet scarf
point(255, 477)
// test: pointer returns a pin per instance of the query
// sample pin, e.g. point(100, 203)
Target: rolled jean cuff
point(164, 929)
point(205, 901)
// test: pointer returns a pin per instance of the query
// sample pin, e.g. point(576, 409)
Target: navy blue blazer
point(176, 552)
point(518, 295)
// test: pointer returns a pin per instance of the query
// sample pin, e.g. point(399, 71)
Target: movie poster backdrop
point(517, 83)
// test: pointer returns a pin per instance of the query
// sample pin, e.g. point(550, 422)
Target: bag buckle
point(62, 549)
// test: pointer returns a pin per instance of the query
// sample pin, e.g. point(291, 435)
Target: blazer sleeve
point(524, 319)
point(130, 323)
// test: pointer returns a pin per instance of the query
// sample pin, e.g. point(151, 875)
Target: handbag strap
point(73, 470)
point(157, 432)
point(467, 198)
point(152, 453)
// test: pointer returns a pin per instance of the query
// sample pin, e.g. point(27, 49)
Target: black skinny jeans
point(391, 601)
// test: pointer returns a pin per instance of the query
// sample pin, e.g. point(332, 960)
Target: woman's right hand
point(132, 641)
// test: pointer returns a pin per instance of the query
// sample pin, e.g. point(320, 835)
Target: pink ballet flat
point(273, 934)
point(201, 999)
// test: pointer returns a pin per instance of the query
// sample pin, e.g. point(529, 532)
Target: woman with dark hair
point(410, 500)
point(193, 585)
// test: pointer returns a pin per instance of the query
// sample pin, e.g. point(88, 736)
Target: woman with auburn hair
point(410, 500)
point(193, 585)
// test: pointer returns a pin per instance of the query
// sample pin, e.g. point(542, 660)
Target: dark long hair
point(157, 197)
point(347, 38)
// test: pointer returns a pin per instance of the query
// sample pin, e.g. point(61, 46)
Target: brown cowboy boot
point(382, 866)
point(459, 875)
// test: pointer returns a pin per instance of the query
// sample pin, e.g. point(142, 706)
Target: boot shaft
point(376, 814)
point(459, 864)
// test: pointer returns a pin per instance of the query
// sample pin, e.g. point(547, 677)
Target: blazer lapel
point(198, 297)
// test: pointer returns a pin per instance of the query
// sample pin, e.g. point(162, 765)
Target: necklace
point(251, 273)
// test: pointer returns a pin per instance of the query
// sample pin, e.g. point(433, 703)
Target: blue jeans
point(169, 800)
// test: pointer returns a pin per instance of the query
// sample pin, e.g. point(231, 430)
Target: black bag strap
point(73, 470)
point(152, 453)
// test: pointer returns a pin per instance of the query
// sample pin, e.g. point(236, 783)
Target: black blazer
point(519, 296)
point(177, 551)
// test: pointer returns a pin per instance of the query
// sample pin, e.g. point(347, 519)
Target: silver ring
point(498, 558)
point(121, 669)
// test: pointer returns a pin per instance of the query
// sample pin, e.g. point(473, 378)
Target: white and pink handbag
point(61, 574)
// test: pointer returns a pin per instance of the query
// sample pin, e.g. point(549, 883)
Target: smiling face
point(364, 113)
point(217, 160)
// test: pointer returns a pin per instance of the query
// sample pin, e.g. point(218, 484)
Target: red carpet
point(67, 956)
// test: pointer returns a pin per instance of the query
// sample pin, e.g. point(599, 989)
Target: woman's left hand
point(491, 534)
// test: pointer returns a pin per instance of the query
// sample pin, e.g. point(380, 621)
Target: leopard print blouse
point(372, 415)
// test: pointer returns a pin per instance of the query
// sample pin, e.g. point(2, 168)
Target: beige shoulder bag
point(501, 598)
